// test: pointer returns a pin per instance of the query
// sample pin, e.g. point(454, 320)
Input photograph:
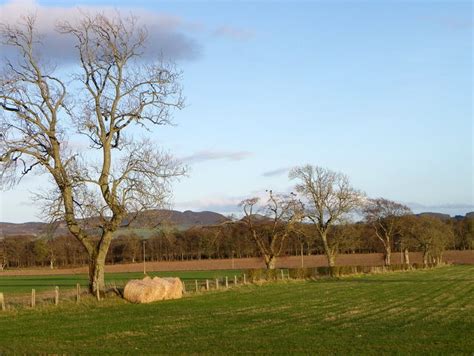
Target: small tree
point(271, 224)
point(329, 199)
point(113, 89)
point(428, 234)
point(384, 217)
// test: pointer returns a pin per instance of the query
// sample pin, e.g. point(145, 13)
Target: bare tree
point(384, 216)
point(328, 198)
point(113, 90)
point(428, 234)
point(271, 224)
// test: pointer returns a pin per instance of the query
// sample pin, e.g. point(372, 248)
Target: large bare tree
point(271, 224)
point(328, 198)
point(384, 217)
point(112, 90)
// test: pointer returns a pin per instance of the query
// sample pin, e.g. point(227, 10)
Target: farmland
point(424, 311)
point(20, 284)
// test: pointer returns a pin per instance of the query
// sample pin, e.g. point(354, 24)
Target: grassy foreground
point(425, 311)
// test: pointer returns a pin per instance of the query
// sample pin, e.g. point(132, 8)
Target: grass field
point(418, 312)
point(23, 284)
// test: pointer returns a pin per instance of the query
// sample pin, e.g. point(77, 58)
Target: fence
point(204, 285)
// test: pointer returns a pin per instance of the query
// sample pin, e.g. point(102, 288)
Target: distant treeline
point(230, 239)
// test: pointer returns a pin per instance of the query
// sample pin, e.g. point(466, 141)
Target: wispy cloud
point(234, 33)
point(276, 172)
point(222, 205)
point(203, 156)
point(447, 208)
point(168, 35)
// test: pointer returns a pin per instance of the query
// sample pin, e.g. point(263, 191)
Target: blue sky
point(380, 90)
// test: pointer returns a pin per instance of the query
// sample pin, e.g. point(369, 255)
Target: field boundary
point(356, 259)
point(53, 296)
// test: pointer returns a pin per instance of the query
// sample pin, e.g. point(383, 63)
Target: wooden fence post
point(56, 295)
point(2, 301)
point(184, 287)
point(207, 284)
point(245, 279)
point(196, 282)
point(235, 280)
point(78, 293)
point(282, 274)
point(226, 282)
point(33, 298)
point(217, 283)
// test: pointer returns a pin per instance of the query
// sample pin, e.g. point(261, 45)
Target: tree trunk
point(425, 258)
point(270, 261)
point(406, 256)
point(97, 264)
point(388, 256)
point(96, 273)
point(331, 256)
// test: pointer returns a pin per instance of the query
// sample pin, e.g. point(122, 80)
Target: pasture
point(423, 311)
point(22, 284)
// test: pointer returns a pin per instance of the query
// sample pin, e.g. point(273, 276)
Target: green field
point(23, 284)
point(418, 312)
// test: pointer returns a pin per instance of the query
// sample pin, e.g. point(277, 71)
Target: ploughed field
point(423, 311)
point(353, 259)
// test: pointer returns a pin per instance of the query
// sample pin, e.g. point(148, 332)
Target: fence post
point(56, 295)
point(196, 282)
point(184, 287)
point(2, 301)
point(78, 293)
point(226, 282)
point(245, 279)
point(217, 283)
point(235, 280)
point(207, 284)
point(33, 298)
point(282, 274)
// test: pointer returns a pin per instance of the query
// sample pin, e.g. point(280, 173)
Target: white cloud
point(167, 33)
point(447, 208)
point(203, 156)
point(276, 172)
point(222, 204)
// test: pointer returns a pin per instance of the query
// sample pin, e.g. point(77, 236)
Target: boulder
point(149, 290)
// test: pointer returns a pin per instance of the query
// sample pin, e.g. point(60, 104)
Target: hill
point(148, 220)
point(436, 215)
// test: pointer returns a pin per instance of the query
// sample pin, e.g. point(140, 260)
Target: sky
point(379, 90)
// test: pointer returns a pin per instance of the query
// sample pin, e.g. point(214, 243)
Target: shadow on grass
point(388, 281)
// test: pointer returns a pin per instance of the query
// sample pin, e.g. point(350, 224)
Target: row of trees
point(426, 234)
point(324, 207)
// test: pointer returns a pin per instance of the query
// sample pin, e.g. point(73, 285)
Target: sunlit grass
point(418, 312)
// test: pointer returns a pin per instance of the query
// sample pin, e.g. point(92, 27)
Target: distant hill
point(28, 228)
point(147, 220)
point(185, 219)
point(436, 215)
